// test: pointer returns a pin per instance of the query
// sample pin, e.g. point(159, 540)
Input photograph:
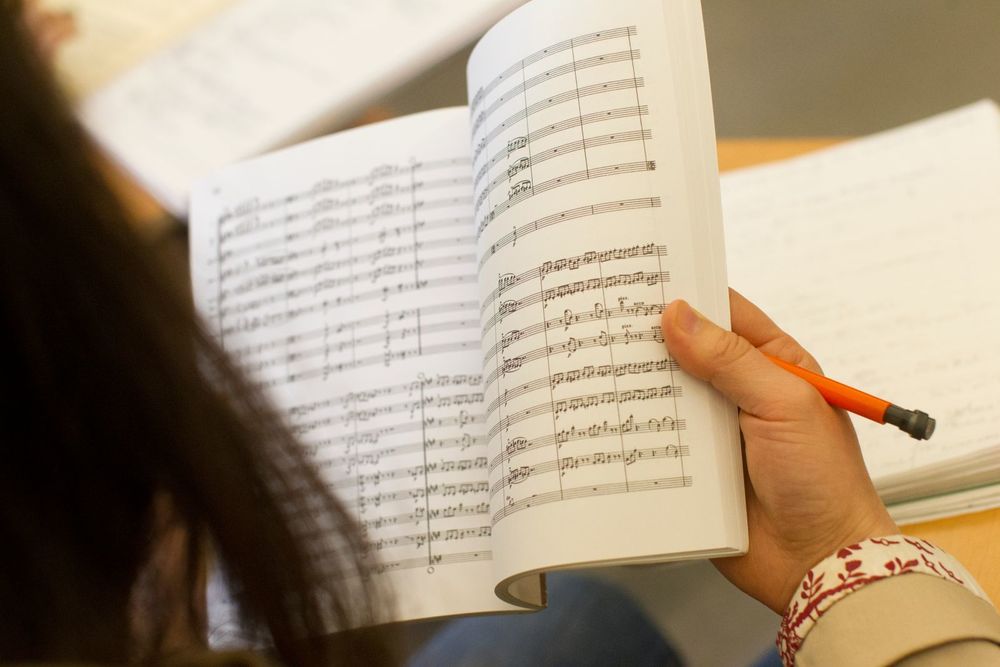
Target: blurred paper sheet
point(113, 36)
point(266, 73)
point(880, 256)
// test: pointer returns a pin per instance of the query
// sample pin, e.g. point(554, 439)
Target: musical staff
point(554, 87)
point(579, 375)
point(580, 397)
point(555, 100)
point(522, 473)
point(525, 189)
point(569, 347)
point(573, 493)
point(397, 317)
point(549, 75)
point(253, 205)
point(511, 237)
point(418, 540)
point(434, 561)
point(318, 286)
point(568, 318)
point(583, 403)
point(320, 225)
point(565, 149)
point(419, 516)
point(373, 436)
point(542, 54)
point(546, 296)
point(653, 425)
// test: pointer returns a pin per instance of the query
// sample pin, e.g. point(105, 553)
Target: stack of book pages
point(880, 256)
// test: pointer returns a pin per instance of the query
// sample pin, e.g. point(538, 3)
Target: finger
point(752, 323)
point(735, 367)
point(50, 37)
point(54, 30)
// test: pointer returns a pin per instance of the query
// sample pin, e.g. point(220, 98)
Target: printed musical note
point(326, 280)
point(535, 500)
point(577, 383)
point(629, 457)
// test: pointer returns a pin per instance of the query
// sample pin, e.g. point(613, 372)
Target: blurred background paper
point(112, 36)
point(782, 68)
point(879, 256)
point(183, 88)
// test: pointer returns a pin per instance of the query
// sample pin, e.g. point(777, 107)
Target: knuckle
point(727, 352)
point(729, 348)
point(803, 397)
point(791, 351)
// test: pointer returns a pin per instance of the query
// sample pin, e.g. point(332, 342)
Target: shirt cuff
point(858, 565)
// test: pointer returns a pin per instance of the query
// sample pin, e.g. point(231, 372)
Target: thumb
point(734, 366)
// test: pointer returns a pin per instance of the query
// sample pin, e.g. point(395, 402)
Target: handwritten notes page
point(595, 203)
point(342, 275)
point(266, 73)
point(880, 257)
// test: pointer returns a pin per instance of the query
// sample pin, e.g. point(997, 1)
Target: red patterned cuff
point(858, 565)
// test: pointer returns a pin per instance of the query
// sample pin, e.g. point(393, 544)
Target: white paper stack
point(882, 257)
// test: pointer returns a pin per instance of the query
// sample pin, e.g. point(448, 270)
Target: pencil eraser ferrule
point(917, 423)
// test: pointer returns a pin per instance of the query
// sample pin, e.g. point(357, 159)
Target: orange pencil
point(918, 424)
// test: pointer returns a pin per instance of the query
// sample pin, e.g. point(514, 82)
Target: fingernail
point(687, 319)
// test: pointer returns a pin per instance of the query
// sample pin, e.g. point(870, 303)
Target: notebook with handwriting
point(458, 311)
point(879, 256)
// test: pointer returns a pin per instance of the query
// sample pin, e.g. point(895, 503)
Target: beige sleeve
point(912, 620)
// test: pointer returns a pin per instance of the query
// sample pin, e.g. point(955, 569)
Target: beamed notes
point(580, 396)
point(356, 274)
point(458, 312)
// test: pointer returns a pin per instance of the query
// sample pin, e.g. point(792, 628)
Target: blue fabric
point(588, 623)
point(769, 659)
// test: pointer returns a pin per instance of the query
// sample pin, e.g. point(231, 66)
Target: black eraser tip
point(920, 425)
point(917, 423)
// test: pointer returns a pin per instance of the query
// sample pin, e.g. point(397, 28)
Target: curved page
point(595, 203)
point(341, 274)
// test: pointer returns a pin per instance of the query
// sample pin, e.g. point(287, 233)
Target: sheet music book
point(879, 256)
point(235, 78)
point(458, 311)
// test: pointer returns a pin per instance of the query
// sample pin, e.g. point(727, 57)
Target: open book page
point(879, 256)
point(341, 275)
point(112, 36)
point(596, 203)
point(266, 73)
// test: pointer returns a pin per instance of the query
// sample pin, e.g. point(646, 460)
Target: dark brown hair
point(114, 397)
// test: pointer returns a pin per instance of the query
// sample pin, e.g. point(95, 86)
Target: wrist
point(854, 566)
point(866, 527)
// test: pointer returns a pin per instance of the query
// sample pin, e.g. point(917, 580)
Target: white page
point(940, 507)
point(879, 256)
point(265, 73)
point(341, 274)
point(594, 184)
point(112, 36)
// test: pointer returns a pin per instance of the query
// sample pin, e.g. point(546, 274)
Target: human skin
point(808, 491)
point(51, 29)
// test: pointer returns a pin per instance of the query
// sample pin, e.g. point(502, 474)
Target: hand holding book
point(808, 492)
